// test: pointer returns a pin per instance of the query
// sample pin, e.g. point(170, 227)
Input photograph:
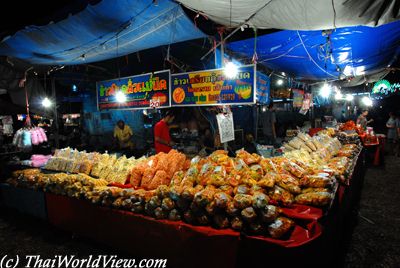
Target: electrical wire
point(334, 13)
point(120, 28)
point(311, 58)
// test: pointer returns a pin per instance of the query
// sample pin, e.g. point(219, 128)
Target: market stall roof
point(318, 55)
point(106, 30)
point(298, 14)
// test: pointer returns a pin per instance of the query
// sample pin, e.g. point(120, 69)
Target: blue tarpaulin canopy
point(106, 30)
point(318, 55)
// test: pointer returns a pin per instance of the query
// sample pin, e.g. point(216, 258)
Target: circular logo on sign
point(381, 86)
point(178, 95)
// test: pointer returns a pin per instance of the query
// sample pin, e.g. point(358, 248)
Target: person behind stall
point(268, 121)
point(392, 136)
point(250, 145)
point(122, 136)
point(362, 119)
point(207, 142)
point(162, 138)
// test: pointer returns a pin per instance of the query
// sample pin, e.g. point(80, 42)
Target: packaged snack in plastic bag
point(162, 191)
point(314, 198)
point(260, 200)
point(242, 201)
point(293, 168)
point(237, 223)
point(205, 196)
point(231, 209)
point(280, 227)
point(316, 181)
point(174, 215)
point(241, 189)
point(221, 200)
point(167, 204)
point(268, 181)
point(269, 213)
point(249, 214)
point(160, 178)
point(288, 183)
point(160, 214)
point(281, 195)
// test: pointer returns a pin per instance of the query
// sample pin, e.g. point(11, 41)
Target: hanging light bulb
point(338, 95)
point(349, 97)
point(279, 82)
point(366, 101)
point(231, 70)
point(46, 103)
point(325, 91)
point(120, 97)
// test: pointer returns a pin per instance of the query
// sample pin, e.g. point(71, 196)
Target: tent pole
point(53, 90)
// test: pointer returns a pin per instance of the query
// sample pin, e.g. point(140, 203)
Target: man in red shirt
point(162, 138)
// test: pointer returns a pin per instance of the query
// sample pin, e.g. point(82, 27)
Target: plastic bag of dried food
point(137, 207)
point(160, 214)
point(167, 204)
point(289, 183)
point(260, 200)
point(314, 198)
point(205, 196)
point(154, 202)
point(269, 213)
point(148, 176)
point(221, 221)
point(86, 167)
point(312, 190)
point(241, 189)
point(280, 227)
point(162, 191)
point(161, 161)
point(160, 178)
point(221, 200)
point(136, 177)
point(249, 214)
point(217, 180)
point(268, 181)
point(174, 215)
point(281, 195)
point(248, 158)
point(256, 172)
point(231, 209)
point(177, 178)
point(288, 148)
point(188, 193)
point(227, 189)
point(293, 168)
point(296, 143)
point(175, 192)
point(237, 223)
point(242, 201)
point(211, 208)
point(316, 181)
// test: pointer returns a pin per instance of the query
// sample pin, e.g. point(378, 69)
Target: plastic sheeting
point(344, 53)
point(103, 31)
point(298, 14)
